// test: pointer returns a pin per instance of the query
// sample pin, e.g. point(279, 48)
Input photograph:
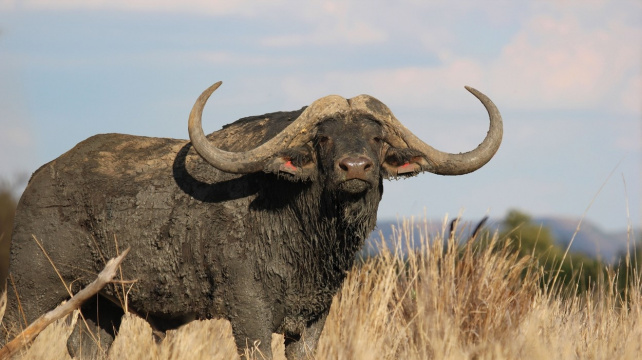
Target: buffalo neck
point(312, 230)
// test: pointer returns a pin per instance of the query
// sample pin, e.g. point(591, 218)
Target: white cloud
point(564, 60)
point(563, 56)
point(414, 87)
point(559, 63)
point(339, 33)
point(229, 58)
point(8, 4)
point(332, 23)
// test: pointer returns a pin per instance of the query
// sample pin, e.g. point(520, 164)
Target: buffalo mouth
point(354, 186)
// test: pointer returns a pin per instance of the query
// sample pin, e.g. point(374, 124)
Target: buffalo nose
point(355, 167)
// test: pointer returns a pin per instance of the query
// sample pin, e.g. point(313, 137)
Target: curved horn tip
point(207, 93)
point(471, 89)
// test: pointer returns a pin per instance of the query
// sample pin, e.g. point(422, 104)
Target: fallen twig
point(26, 336)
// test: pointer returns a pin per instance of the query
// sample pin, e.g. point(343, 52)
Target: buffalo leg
point(33, 289)
point(251, 326)
point(94, 335)
point(249, 313)
point(88, 340)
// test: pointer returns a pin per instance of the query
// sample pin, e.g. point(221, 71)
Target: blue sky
point(565, 75)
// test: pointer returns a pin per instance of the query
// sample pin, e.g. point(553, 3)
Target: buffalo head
point(348, 144)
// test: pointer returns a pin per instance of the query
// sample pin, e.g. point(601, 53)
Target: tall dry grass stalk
point(441, 301)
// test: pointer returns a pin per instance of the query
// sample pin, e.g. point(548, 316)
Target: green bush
point(572, 271)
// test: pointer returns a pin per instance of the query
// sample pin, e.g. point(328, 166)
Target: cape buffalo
point(256, 223)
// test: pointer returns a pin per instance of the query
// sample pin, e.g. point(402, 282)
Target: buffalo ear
point(403, 163)
point(293, 164)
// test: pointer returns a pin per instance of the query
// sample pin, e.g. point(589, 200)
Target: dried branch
point(3, 302)
point(26, 336)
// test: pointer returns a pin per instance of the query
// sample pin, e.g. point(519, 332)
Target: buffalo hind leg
point(92, 338)
point(88, 341)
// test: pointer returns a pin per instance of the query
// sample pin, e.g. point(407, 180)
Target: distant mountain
point(589, 240)
point(411, 234)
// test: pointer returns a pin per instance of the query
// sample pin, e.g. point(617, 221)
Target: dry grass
point(462, 303)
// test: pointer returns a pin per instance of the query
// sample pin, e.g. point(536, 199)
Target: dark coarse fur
point(264, 250)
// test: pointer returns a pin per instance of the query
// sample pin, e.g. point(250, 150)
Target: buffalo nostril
point(355, 167)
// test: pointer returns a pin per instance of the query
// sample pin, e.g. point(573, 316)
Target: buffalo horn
point(299, 131)
point(438, 162)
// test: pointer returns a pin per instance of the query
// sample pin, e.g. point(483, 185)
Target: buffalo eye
point(403, 162)
point(322, 140)
point(297, 163)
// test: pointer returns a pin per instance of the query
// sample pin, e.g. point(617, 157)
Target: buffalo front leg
point(306, 345)
point(249, 330)
point(250, 315)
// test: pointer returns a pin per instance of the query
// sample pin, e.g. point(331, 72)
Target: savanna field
point(452, 298)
